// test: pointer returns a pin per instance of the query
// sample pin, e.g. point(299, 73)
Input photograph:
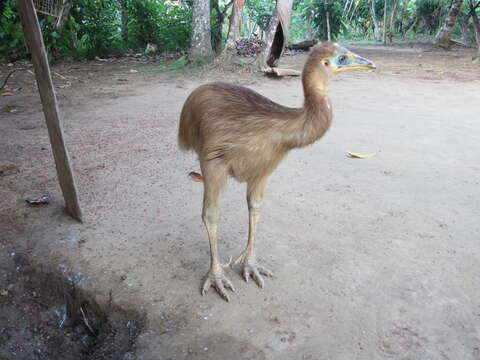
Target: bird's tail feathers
point(194, 176)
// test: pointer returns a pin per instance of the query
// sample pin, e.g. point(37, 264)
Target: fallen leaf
point(7, 169)
point(133, 71)
point(8, 93)
point(122, 79)
point(9, 109)
point(360, 156)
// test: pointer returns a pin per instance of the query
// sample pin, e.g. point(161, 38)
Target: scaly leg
point(210, 215)
point(248, 257)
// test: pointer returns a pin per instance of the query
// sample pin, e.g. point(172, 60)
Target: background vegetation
point(104, 27)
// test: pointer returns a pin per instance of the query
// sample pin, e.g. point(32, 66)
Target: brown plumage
point(236, 131)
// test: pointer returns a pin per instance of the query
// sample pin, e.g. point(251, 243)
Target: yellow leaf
point(360, 156)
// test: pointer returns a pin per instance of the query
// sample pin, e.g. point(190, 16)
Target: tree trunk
point(392, 20)
point(353, 11)
point(403, 10)
point(62, 19)
point(329, 37)
point(385, 23)
point(443, 36)
point(268, 38)
point(464, 22)
point(233, 30)
point(376, 27)
point(276, 35)
point(409, 27)
point(476, 26)
point(124, 5)
point(201, 45)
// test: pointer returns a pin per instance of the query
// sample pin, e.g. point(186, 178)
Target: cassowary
point(237, 132)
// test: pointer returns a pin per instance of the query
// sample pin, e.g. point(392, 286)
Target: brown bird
point(237, 132)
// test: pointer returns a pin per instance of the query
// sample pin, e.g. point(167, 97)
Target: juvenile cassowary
point(239, 133)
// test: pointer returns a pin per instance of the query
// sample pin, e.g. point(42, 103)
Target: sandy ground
point(373, 258)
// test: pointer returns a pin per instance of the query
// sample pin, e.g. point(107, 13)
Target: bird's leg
point(215, 276)
point(248, 258)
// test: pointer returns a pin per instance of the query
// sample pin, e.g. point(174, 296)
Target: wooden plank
point(281, 72)
point(33, 37)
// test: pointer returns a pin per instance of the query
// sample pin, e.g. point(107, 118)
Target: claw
point(206, 286)
point(217, 279)
point(265, 271)
point(228, 284)
point(221, 289)
point(258, 278)
point(251, 269)
point(246, 273)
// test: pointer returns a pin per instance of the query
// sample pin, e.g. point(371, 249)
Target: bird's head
point(334, 58)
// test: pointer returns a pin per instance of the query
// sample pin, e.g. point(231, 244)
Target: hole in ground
point(45, 316)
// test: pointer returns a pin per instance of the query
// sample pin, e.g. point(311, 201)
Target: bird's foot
point(219, 281)
point(250, 268)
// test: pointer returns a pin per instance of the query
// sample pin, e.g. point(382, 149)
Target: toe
point(265, 271)
point(246, 273)
point(221, 289)
point(206, 285)
point(258, 278)
point(228, 284)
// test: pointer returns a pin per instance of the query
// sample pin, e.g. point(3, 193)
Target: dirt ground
point(373, 258)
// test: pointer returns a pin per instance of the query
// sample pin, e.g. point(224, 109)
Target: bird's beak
point(356, 62)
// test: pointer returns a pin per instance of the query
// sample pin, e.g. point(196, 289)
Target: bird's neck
point(316, 115)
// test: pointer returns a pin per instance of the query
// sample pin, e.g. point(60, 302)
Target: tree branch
point(225, 9)
point(473, 7)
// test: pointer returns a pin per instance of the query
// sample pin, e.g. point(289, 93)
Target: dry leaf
point(8, 93)
point(122, 79)
point(133, 71)
point(360, 156)
point(7, 169)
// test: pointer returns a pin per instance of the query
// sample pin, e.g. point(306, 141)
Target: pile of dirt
point(249, 47)
point(45, 316)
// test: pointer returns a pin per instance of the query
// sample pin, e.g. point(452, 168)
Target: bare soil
point(373, 258)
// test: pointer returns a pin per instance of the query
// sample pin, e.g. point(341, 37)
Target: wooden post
point(33, 37)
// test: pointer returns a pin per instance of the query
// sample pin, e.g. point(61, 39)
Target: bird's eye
point(342, 59)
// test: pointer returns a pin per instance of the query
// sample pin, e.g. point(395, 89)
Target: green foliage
point(11, 35)
point(429, 14)
point(315, 12)
point(168, 26)
point(260, 11)
point(95, 27)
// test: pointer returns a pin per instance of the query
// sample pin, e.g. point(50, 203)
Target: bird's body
point(237, 132)
point(243, 130)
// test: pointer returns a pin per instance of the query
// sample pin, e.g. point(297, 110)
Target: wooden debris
point(281, 72)
point(458, 42)
point(304, 45)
